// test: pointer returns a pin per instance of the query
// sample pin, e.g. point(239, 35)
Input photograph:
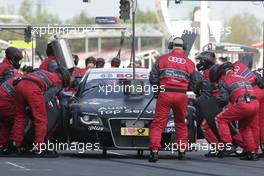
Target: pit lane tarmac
point(126, 163)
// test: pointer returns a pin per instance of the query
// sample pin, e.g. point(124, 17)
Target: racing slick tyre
point(208, 109)
point(53, 113)
point(62, 132)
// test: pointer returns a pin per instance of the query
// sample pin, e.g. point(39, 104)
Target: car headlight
point(90, 120)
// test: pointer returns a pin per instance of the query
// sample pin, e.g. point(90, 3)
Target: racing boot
point(3, 149)
point(153, 157)
point(181, 155)
point(243, 154)
point(262, 148)
point(12, 148)
point(251, 156)
point(226, 151)
point(45, 152)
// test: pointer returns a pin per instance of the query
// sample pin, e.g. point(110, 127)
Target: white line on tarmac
point(14, 164)
point(22, 168)
point(37, 170)
point(120, 154)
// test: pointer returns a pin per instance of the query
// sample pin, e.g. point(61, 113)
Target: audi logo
point(177, 60)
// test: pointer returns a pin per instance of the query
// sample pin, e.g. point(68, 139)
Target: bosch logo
point(177, 60)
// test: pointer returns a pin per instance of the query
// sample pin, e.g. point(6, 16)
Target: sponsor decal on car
point(130, 75)
point(120, 109)
point(134, 131)
point(169, 129)
point(95, 128)
point(116, 76)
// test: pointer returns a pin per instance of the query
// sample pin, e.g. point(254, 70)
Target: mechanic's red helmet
point(217, 71)
point(90, 60)
point(115, 62)
point(64, 75)
point(100, 62)
point(14, 55)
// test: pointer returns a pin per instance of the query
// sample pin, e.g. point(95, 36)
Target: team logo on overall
point(236, 69)
point(177, 60)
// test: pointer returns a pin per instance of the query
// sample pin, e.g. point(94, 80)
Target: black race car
point(104, 110)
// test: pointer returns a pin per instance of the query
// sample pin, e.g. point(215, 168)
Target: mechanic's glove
point(197, 88)
point(203, 87)
point(27, 69)
point(74, 83)
point(259, 81)
point(156, 94)
point(73, 99)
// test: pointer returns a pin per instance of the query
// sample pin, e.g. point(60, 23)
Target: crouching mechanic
point(33, 90)
point(208, 105)
point(7, 111)
point(173, 72)
point(10, 63)
point(243, 107)
point(243, 68)
point(205, 91)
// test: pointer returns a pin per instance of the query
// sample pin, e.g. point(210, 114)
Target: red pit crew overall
point(173, 71)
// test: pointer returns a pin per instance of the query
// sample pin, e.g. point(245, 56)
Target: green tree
point(25, 10)
point(245, 29)
point(43, 17)
point(146, 17)
point(81, 18)
point(9, 34)
point(38, 16)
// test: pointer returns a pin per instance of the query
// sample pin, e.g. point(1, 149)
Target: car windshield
point(113, 85)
